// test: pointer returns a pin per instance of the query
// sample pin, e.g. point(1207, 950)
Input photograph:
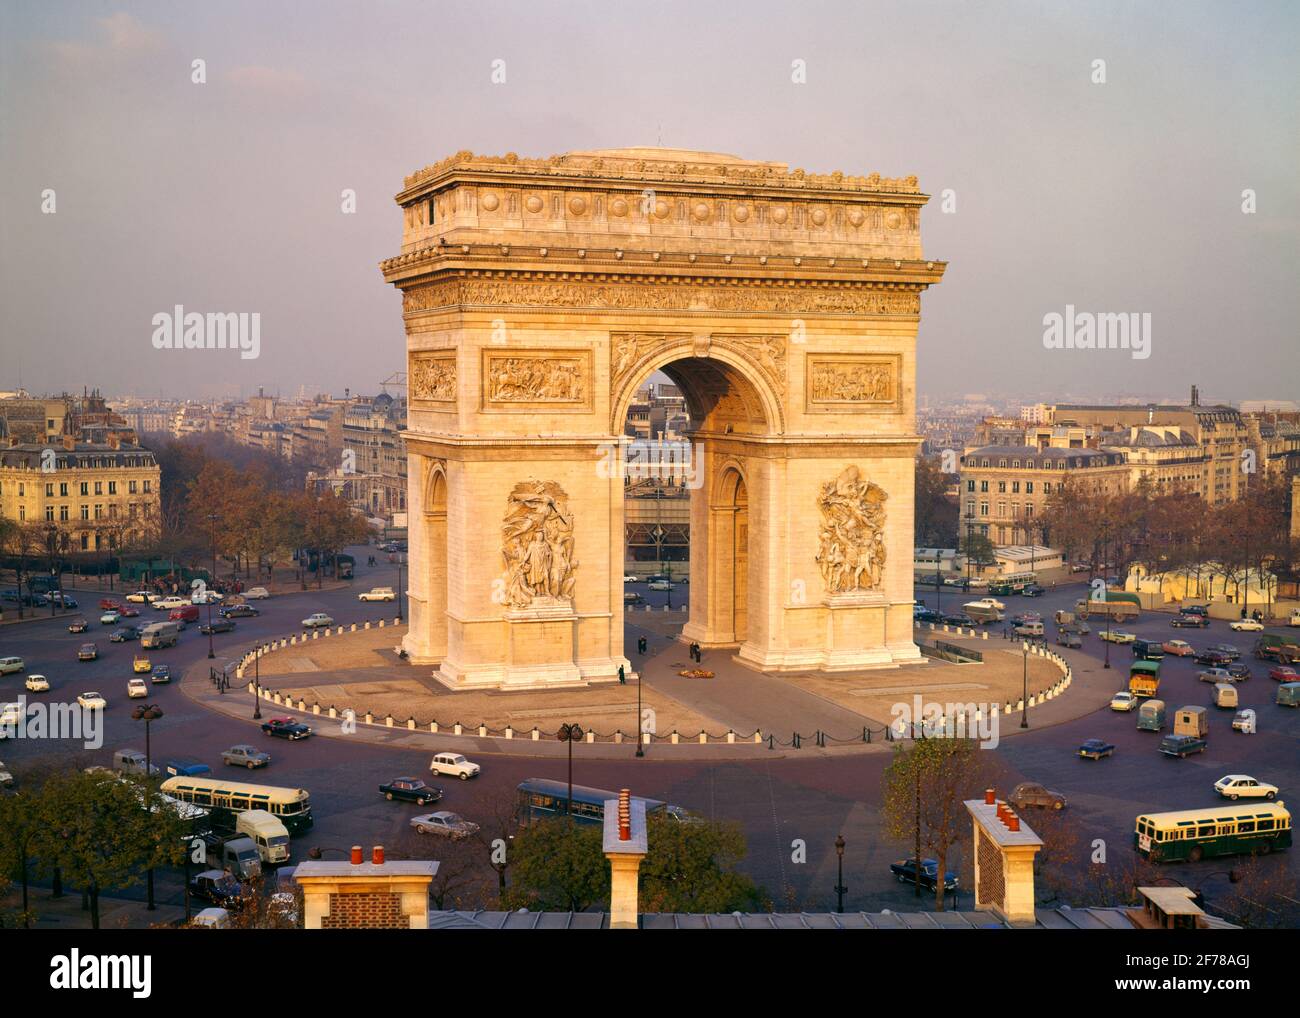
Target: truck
point(1120, 605)
point(236, 853)
point(984, 610)
point(267, 833)
point(1280, 647)
point(160, 634)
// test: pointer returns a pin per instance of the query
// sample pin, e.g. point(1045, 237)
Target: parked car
point(1195, 609)
point(411, 790)
point(37, 684)
point(136, 688)
point(378, 594)
point(140, 664)
point(256, 594)
point(1283, 673)
point(905, 871)
point(1095, 749)
point(1181, 745)
point(87, 652)
point(1116, 636)
point(217, 626)
point(449, 825)
point(124, 635)
point(239, 611)
point(1123, 700)
point(184, 767)
point(957, 619)
point(161, 674)
point(630, 579)
point(1243, 786)
point(244, 755)
point(454, 765)
point(1030, 793)
point(317, 619)
point(926, 615)
point(91, 701)
point(77, 626)
point(1189, 622)
point(1246, 626)
point(1178, 648)
point(286, 728)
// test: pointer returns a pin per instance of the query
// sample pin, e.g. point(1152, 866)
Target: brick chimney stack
point(625, 846)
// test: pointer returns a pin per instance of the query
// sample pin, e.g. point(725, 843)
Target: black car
point(124, 634)
point(1214, 657)
point(926, 615)
point(1195, 609)
point(286, 728)
point(906, 873)
point(1033, 590)
point(218, 887)
point(217, 626)
point(965, 621)
point(1239, 671)
point(1227, 649)
point(1189, 622)
point(240, 611)
point(411, 790)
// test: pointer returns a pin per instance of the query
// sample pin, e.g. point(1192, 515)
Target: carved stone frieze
point(851, 552)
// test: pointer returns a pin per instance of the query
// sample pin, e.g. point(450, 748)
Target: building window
point(99, 487)
point(1047, 487)
point(22, 512)
point(1002, 510)
point(148, 487)
point(112, 487)
point(1015, 487)
point(63, 489)
point(85, 512)
point(22, 489)
point(49, 514)
point(85, 488)
point(85, 542)
point(984, 508)
point(1029, 487)
point(970, 485)
point(99, 510)
point(63, 513)
point(1002, 487)
point(131, 487)
point(984, 486)
point(49, 491)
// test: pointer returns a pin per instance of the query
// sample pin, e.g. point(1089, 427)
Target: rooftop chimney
point(357, 855)
point(377, 855)
point(625, 846)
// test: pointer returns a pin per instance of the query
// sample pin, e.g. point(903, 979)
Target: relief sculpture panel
point(432, 376)
point(537, 379)
point(851, 552)
point(853, 384)
point(537, 545)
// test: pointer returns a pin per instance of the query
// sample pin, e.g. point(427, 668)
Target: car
point(926, 615)
point(378, 594)
point(185, 767)
point(411, 790)
point(127, 612)
point(256, 594)
point(109, 604)
point(632, 597)
point(217, 626)
point(87, 652)
point(161, 674)
point(1239, 671)
point(1215, 675)
point(1246, 626)
point(164, 604)
point(1181, 745)
point(449, 825)
point(140, 664)
point(1283, 673)
point(1245, 722)
point(91, 701)
point(1227, 649)
point(1210, 656)
point(1116, 636)
point(1030, 793)
point(37, 684)
point(11, 664)
point(136, 688)
point(1069, 638)
point(1178, 648)
point(661, 585)
point(218, 887)
point(124, 634)
point(1189, 622)
point(141, 597)
point(239, 611)
point(6, 779)
point(1243, 786)
point(1123, 700)
point(317, 619)
point(11, 715)
point(906, 872)
point(958, 619)
point(77, 626)
point(1034, 590)
point(110, 618)
point(1195, 609)
point(244, 755)
point(455, 766)
point(630, 579)
point(1026, 617)
point(1095, 749)
point(286, 728)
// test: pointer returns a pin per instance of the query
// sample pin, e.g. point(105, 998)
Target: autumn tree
point(691, 866)
point(558, 866)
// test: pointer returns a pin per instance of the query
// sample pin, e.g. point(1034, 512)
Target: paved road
point(779, 801)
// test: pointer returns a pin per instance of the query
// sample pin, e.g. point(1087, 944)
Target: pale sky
point(1117, 197)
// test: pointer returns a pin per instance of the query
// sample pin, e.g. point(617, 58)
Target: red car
point(190, 613)
point(1283, 673)
point(110, 604)
point(127, 612)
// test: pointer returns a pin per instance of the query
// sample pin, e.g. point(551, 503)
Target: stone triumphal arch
point(538, 294)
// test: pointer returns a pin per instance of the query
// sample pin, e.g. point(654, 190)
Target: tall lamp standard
point(208, 598)
point(257, 683)
point(400, 562)
point(570, 734)
point(1024, 695)
point(640, 736)
point(840, 889)
point(147, 713)
point(970, 523)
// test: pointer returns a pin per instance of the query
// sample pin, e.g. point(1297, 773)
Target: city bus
point(1196, 834)
point(1011, 583)
point(225, 800)
point(542, 798)
point(1144, 678)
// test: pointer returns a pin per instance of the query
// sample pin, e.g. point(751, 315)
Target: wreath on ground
point(696, 673)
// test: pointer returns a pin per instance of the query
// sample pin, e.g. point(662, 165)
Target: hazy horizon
point(1111, 198)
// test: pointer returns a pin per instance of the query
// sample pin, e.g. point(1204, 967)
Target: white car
point(449, 825)
point(1243, 786)
point(136, 688)
point(631, 579)
point(37, 684)
point(110, 618)
point(256, 594)
point(1123, 700)
point(317, 619)
point(454, 765)
point(11, 664)
point(1117, 636)
point(988, 602)
point(11, 715)
point(92, 701)
point(1246, 626)
point(142, 597)
point(661, 585)
point(168, 603)
point(378, 594)
point(6, 779)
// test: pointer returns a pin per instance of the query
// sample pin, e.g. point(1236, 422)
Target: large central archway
point(538, 294)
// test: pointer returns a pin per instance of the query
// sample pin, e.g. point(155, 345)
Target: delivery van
point(240, 857)
point(266, 831)
point(1288, 694)
point(160, 634)
point(1225, 696)
point(1151, 716)
point(1191, 721)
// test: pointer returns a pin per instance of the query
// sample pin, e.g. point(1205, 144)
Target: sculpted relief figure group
point(852, 536)
point(538, 544)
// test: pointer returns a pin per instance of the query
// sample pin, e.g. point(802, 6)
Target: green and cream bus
point(225, 800)
point(1195, 834)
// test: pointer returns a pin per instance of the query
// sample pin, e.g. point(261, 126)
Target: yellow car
point(141, 666)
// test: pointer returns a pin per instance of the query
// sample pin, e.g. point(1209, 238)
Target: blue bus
point(542, 798)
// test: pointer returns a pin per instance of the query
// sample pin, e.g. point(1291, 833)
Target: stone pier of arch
point(539, 294)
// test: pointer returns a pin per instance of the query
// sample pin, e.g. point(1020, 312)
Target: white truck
point(986, 609)
point(267, 833)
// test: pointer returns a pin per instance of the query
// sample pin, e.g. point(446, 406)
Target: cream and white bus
point(1230, 829)
point(225, 800)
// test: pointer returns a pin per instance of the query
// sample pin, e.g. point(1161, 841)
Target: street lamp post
point(399, 586)
point(148, 713)
point(640, 736)
point(211, 652)
point(257, 683)
point(1024, 695)
point(840, 889)
point(970, 523)
point(570, 733)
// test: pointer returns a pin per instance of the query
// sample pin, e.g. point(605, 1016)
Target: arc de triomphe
point(539, 294)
